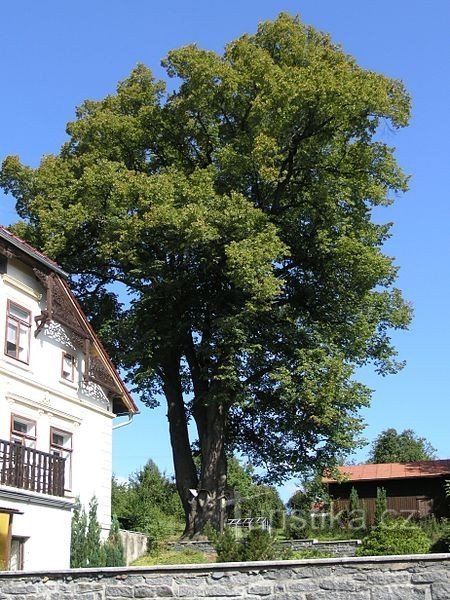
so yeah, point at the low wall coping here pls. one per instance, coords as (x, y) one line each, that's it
(230, 566)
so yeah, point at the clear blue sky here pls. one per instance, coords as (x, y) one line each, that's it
(56, 54)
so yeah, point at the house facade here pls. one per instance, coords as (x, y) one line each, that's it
(412, 489)
(59, 395)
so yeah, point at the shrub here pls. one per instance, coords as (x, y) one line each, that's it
(86, 547)
(156, 525)
(395, 536)
(227, 547)
(259, 545)
(298, 526)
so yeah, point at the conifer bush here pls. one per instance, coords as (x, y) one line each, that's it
(86, 547)
(259, 544)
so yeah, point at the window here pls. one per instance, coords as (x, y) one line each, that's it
(61, 445)
(18, 327)
(17, 552)
(23, 431)
(68, 366)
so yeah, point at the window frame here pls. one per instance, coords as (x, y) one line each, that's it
(27, 440)
(65, 452)
(21, 325)
(20, 540)
(64, 355)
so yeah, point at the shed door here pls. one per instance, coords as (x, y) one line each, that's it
(424, 507)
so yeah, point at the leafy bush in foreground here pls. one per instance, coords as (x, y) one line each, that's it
(396, 536)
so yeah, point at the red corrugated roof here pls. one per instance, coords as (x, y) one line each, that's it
(373, 472)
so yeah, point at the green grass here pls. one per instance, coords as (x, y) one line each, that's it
(174, 557)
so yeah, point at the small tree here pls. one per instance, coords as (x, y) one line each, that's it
(227, 547)
(354, 502)
(78, 541)
(95, 550)
(380, 506)
(259, 545)
(114, 550)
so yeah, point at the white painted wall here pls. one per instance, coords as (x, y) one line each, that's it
(37, 391)
(47, 529)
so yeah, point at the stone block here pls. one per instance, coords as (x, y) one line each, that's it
(260, 589)
(190, 591)
(221, 591)
(153, 591)
(440, 591)
(118, 591)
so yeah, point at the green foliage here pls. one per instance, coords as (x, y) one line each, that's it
(446, 537)
(94, 547)
(391, 446)
(298, 526)
(354, 502)
(86, 548)
(395, 536)
(121, 502)
(380, 506)
(236, 212)
(312, 491)
(173, 557)
(438, 530)
(305, 554)
(304, 525)
(211, 533)
(257, 545)
(113, 547)
(156, 524)
(251, 498)
(78, 540)
(228, 548)
(148, 502)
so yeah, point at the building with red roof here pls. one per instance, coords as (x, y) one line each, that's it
(412, 488)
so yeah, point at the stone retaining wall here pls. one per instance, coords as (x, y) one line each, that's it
(334, 547)
(424, 577)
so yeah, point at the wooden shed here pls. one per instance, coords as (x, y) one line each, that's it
(416, 488)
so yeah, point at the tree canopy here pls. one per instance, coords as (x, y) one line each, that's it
(235, 215)
(407, 446)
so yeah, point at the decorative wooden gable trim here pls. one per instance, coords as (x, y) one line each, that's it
(62, 308)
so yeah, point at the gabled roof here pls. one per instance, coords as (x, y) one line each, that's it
(66, 309)
(375, 472)
(20, 244)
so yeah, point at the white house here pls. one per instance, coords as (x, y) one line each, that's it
(59, 394)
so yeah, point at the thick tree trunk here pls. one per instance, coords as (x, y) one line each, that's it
(210, 502)
(185, 471)
(202, 498)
